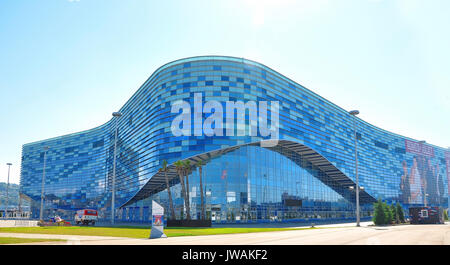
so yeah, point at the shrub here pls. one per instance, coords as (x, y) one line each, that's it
(394, 214)
(379, 215)
(388, 213)
(400, 214)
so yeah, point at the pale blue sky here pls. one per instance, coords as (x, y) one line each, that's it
(65, 66)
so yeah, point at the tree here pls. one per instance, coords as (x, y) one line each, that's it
(446, 215)
(200, 165)
(164, 169)
(379, 215)
(180, 170)
(187, 170)
(394, 214)
(400, 214)
(388, 213)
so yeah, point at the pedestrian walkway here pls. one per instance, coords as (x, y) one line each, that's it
(344, 235)
(291, 225)
(71, 239)
(337, 234)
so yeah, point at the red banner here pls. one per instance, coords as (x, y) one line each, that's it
(419, 148)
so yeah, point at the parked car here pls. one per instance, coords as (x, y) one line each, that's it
(86, 217)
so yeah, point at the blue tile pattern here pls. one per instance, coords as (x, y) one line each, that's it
(79, 165)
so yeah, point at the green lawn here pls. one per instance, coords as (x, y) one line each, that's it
(136, 232)
(16, 240)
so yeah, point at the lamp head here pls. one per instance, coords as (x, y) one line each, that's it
(354, 112)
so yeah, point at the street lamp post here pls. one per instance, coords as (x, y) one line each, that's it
(113, 197)
(426, 199)
(41, 212)
(7, 190)
(354, 113)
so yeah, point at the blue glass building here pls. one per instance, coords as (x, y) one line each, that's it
(306, 176)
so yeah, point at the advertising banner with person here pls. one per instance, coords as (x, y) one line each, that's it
(421, 182)
(447, 162)
(419, 148)
(157, 221)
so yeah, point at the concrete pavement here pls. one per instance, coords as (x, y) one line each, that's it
(344, 235)
(70, 239)
(395, 235)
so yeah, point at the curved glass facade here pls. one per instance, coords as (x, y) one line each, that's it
(254, 184)
(308, 176)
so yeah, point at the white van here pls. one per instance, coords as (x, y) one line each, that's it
(86, 217)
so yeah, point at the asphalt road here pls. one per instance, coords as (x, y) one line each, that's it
(346, 235)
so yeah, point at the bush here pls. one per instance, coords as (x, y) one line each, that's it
(387, 214)
(379, 215)
(401, 215)
(446, 215)
(394, 214)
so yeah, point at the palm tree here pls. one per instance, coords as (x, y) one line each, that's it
(165, 169)
(179, 165)
(200, 165)
(187, 170)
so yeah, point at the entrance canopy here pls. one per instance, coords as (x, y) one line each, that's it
(331, 176)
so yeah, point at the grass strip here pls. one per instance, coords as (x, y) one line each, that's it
(17, 240)
(139, 231)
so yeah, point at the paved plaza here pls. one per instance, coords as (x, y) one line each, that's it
(328, 235)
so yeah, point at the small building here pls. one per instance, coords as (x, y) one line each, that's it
(15, 212)
(426, 215)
